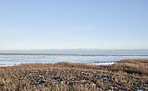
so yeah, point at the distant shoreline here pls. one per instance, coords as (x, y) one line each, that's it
(68, 54)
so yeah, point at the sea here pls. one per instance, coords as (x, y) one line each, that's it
(96, 57)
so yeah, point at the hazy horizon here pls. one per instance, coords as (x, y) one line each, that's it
(79, 51)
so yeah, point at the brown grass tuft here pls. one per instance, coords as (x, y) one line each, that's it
(125, 75)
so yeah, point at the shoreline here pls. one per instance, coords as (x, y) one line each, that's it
(105, 63)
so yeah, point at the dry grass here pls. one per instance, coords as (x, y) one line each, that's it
(138, 66)
(65, 76)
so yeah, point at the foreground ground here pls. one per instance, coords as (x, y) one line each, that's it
(123, 75)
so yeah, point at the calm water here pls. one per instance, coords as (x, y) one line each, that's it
(18, 59)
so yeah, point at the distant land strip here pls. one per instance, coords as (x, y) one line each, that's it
(68, 54)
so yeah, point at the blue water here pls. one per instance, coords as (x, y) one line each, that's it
(81, 51)
(98, 59)
(18, 59)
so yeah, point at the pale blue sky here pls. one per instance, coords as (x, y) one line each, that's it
(72, 24)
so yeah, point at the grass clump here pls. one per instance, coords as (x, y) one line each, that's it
(65, 76)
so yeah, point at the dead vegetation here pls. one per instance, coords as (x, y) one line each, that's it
(138, 66)
(124, 75)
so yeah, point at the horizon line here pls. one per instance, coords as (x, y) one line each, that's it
(72, 54)
(64, 49)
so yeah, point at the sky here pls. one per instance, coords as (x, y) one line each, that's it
(73, 24)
